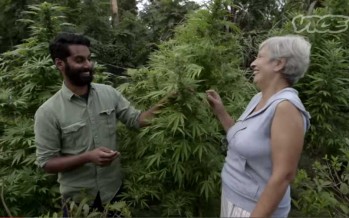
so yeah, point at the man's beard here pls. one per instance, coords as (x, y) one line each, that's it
(76, 76)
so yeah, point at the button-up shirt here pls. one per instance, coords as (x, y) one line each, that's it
(67, 124)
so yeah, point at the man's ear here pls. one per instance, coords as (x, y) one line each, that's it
(60, 64)
(280, 64)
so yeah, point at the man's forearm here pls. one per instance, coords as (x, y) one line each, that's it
(66, 163)
(147, 116)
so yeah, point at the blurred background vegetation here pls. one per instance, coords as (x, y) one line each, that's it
(147, 50)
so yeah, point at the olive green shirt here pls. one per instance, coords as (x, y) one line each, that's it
(67, 124)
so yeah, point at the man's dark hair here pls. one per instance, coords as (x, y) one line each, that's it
(59, 46)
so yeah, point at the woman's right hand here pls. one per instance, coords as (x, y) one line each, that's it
(218, 109)
(215, 102)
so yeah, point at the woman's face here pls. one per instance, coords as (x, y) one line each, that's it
(263, 67)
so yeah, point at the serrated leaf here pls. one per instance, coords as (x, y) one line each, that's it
(344, 189)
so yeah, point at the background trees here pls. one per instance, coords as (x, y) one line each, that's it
(172, 167)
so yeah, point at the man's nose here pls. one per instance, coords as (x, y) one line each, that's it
(88, 64)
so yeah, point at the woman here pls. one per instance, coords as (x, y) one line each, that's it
(266, 142)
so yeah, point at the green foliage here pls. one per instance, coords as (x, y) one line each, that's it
(251, 15)
(83, 210)
(27, 79)
(162, 16)
(93, 19)
(326, 91)
(326, 193)
(127, 6)
(175, 163)
(11, 31)
(128, 45)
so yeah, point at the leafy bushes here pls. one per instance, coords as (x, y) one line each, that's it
(326, 93)
(27, 79)
(325, 192)
(175, 163)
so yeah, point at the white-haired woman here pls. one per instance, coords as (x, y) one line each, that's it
(266, 142)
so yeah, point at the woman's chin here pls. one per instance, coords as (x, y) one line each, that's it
(256, 82)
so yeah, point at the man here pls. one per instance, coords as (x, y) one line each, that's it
(75, 129)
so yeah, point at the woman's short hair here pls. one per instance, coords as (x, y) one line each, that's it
(295, 49)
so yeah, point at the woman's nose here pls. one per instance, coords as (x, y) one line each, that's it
(253, 65)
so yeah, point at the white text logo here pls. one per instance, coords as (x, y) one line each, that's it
(320, 24)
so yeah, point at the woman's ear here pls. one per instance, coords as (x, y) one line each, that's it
(280, 64)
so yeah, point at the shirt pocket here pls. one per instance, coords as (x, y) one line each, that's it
(72, 136)
(244, 182)
(108, 121)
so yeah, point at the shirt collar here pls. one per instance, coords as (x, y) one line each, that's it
(67, 93)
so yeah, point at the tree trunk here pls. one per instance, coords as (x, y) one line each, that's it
(311, 7)
(114, 13)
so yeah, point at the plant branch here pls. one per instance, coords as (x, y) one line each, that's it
(3, 202)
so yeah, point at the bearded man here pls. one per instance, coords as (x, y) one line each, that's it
(75, 130)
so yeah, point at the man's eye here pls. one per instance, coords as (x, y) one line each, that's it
(79, 60)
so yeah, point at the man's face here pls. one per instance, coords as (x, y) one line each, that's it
(78, 66)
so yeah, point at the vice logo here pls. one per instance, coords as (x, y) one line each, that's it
(320, 24)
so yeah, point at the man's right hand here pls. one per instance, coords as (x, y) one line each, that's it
(102, 156)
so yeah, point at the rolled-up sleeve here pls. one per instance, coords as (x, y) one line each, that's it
(47, 137)
(125, 112)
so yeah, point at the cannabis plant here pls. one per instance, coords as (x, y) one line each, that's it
(173, 166)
